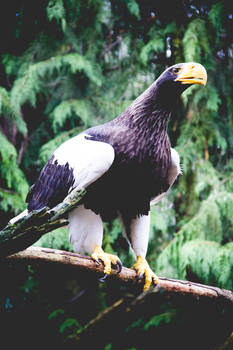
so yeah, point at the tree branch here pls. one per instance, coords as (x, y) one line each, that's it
(135, 304)
(27, 230)
(111, 46)
(127, 276)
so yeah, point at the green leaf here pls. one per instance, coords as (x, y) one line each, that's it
(211, 263)
(195, 41)
(56, 10)
(16, 185)
(133, 8)
(11, 201)
(26, 88)
(157, 320)
(209, 96)
(215, 17)
(70, 109)
(8, 109)
(155, 45)
(207, 225)
(55, 314)
(158, 219)
(68, 325)
(57, 239)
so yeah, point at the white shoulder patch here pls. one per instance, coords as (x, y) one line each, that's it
(89, 159)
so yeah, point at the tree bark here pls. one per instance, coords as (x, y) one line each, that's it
(27, 230)
(127, 276)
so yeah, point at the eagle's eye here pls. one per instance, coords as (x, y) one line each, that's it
(175, 70)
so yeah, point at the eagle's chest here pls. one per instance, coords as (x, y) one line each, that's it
(143, 174)
(129, 185)
(145, 159)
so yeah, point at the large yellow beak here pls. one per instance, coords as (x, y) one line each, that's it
(192, 73)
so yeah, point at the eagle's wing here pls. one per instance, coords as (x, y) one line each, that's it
(75, 164)
(173, 172)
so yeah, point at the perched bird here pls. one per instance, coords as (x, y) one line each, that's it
(125, 165)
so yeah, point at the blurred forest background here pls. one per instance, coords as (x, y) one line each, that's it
(66, 65)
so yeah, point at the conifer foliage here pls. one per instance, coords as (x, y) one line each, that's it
(70, 64)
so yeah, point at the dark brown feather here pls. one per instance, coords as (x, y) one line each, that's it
(142, 158)
(51, 187)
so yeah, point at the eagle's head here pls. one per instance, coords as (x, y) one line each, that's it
(175, 79)
(185, 74)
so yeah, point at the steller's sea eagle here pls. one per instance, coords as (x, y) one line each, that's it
(125, 165)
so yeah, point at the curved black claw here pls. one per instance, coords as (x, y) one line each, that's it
(156, 285)
(140, 275)
(103, 279)
(97, 261)
(119, 266)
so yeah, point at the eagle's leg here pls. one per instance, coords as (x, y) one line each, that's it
(86, 236)
(107, 259)
(137, 232)
(143, 269)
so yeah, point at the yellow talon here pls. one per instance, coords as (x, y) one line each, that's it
(107, 259)
(143, 269)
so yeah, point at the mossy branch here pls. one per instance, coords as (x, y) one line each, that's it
(27, 230)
